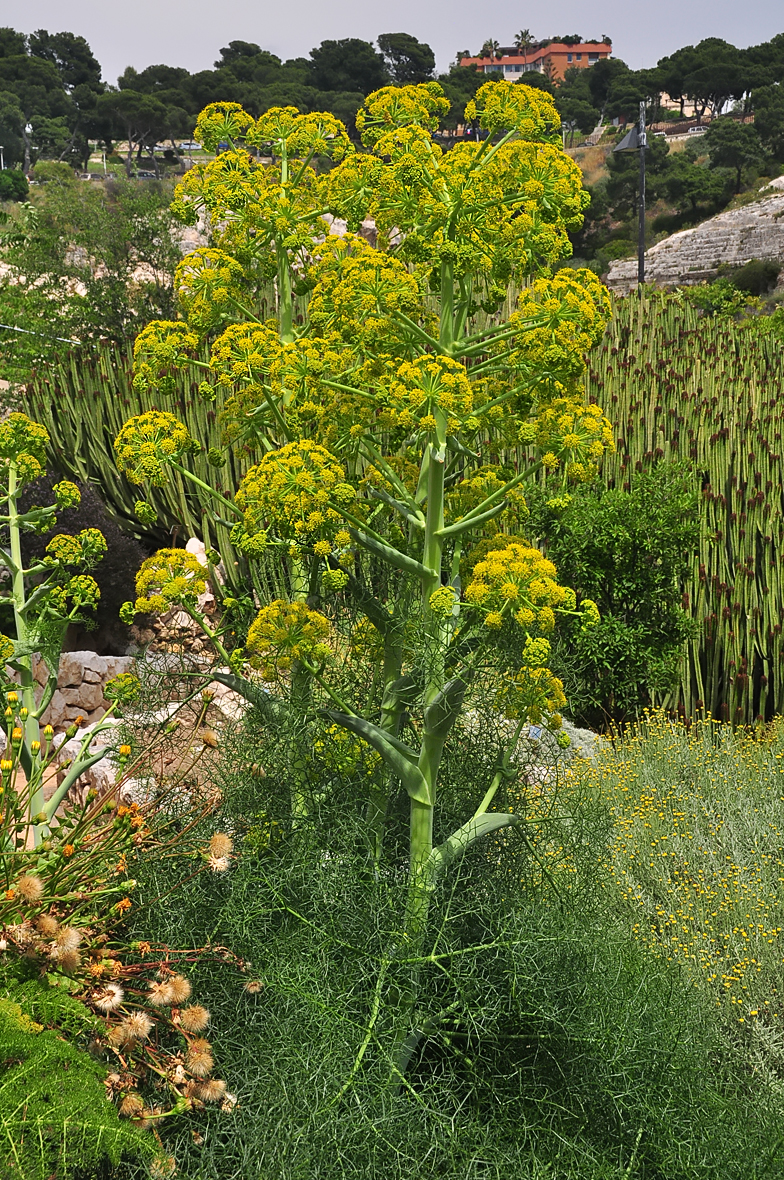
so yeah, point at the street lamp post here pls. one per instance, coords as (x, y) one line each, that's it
(636, 140)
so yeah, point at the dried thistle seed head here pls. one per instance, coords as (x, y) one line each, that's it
(212, 1091)
(195, 1018)
(108, 998)
(221, 844)
(199, 1059)
(47, 925)
(116, 1036)
(136, 1027)
(68, 938)
(160, 994)
(218, 864)
(68, 961)
(131, 1106)
(180, 989)
(30, 888)
(253, 987)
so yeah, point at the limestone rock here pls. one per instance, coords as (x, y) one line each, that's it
(694, 255)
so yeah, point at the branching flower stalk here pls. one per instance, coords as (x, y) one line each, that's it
(378, 421)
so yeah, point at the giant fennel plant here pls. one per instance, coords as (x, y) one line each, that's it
(397, 405)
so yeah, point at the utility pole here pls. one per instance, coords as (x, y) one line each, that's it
(636, 140)
(643, 140)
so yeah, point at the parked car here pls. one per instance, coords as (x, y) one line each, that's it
(697, 130)
(189, 146)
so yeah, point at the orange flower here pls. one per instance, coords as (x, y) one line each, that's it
(10, 894)
(123, 906)
(69, 850)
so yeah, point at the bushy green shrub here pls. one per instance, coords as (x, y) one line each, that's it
(629, 551)
(13, 185)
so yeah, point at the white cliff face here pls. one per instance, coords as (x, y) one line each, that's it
(694, 255)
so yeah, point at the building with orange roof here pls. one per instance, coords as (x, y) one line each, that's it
(552, 58)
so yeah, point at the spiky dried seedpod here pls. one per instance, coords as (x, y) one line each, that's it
(131, 1106)
(68, 938)
(116, 1036)
(30, 888)
(160, 994)
(195, 1018)
(253, 987)
(136, 1027)
(68, 961)
(180, 988)
(218, 864)
(221, 844)
(47, 925)
(199, 1059)
(212, 1091)
(108, 998)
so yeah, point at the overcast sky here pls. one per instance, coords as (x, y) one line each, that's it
(190, 33)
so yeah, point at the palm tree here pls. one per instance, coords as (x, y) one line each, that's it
(489, 49)
(523, 41)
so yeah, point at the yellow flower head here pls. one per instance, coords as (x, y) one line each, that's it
(147, 443)
(422, 105)
(283, 632)
(508, 106)
(169, 576)
(222, 122)
(295, 493)
(162, 347)
(209, 284)
(24, 443)
(518, 583)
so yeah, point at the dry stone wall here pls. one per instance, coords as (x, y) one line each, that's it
(695, 255)
(81, 680)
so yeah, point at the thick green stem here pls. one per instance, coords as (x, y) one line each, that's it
(25, 663)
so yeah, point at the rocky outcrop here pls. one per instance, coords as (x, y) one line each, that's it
(695, 255)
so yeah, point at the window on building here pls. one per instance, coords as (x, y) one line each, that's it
(592, 57)
(513, 69)
(568, 57)
(579, 57)
(493, 69)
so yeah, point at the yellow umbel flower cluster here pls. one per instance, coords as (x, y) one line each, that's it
(23, 442)
(556, 322)
(518, 582)
(76, 593)
(147, 443)
(209, 285)
(222, 122)
(524, 109)
(431, 393)
(533, 692)
(358, 291)
(160, 348)
(169, 576)
(284, 632)
(401, 106)
(284, 130)
(296, 493)
(571, 433)
(85, 549)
